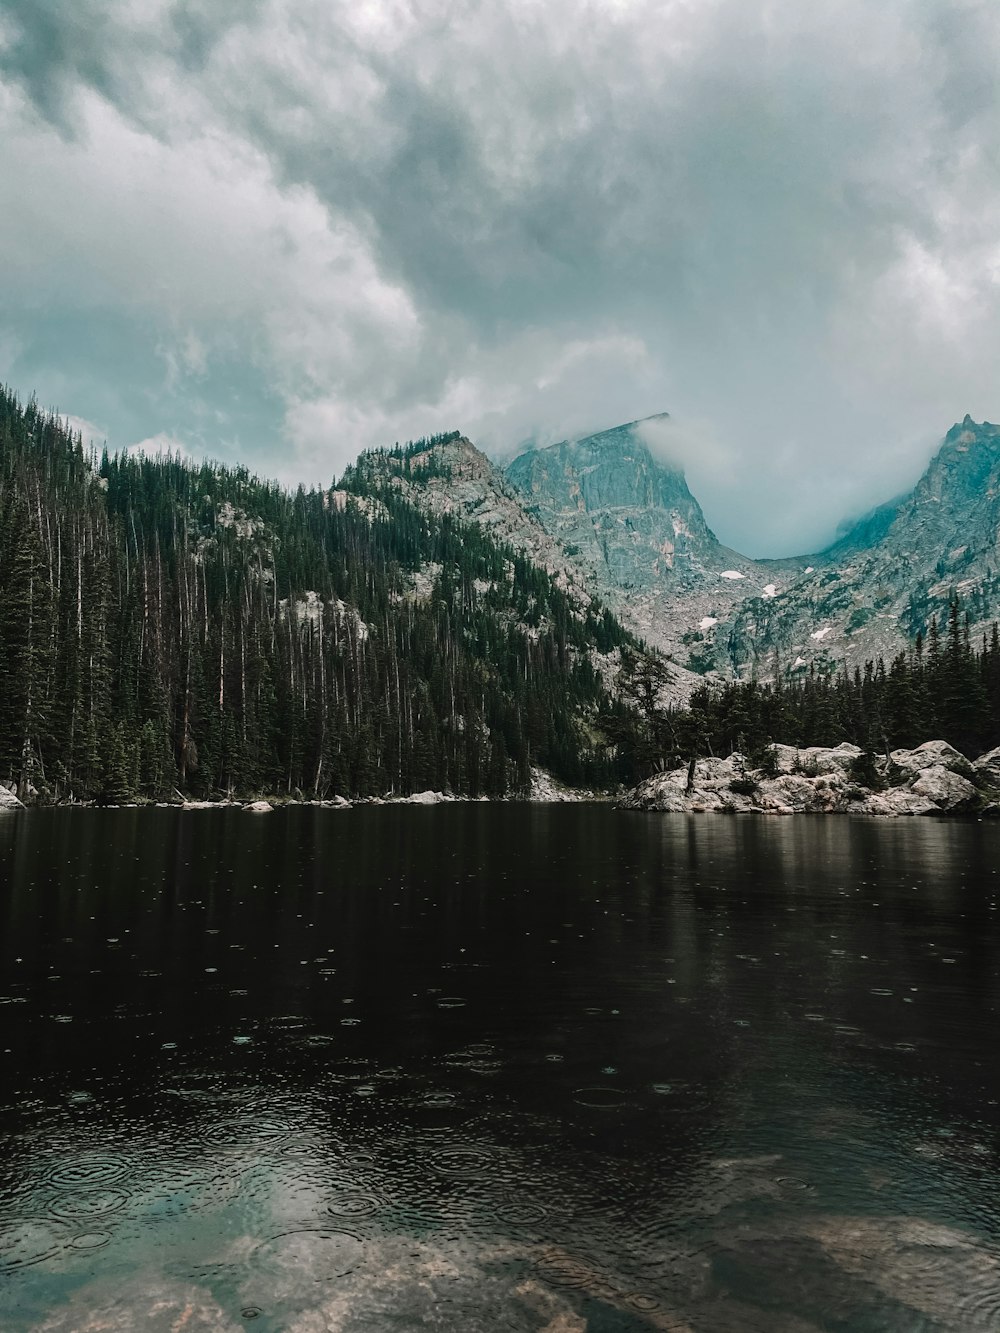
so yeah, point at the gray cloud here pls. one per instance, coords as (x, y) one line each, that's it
(294, 229)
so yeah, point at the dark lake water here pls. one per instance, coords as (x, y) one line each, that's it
(498, 1067)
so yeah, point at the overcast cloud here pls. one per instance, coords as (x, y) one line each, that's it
(284, 230)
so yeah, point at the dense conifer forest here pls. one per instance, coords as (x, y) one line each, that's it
(168, 627)
(946, 687)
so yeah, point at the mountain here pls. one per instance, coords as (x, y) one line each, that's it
(616, 525)
(450, 477)
(628, 520)
(433, 620)
(884, 581)
(170, 626)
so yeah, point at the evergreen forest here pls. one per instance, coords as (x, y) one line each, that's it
(169, 628)
(945, 687)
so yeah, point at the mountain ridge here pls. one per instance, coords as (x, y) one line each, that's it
(612, 520)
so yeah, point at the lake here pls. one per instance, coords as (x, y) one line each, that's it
(481, 1067)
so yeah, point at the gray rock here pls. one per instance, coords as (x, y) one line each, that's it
(932, 754)
(259, 808)
(825, 787)
(8, 801)
(948, 790)
(817, 759)
(787, 757)
(896, 801)
(988, 766)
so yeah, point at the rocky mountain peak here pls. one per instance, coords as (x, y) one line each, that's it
(621, 508)
(611, 516)
(613, 468)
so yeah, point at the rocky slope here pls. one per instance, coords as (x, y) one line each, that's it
(629, 521)
(613, 520)
(870, 593)
(452, 476)
(933, 779)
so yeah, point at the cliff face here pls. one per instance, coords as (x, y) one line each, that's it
(613, 520)
(628, 519)
(870, 593)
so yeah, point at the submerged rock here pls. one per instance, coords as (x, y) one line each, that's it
(156, 1305)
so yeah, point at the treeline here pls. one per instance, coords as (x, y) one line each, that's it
(946, 687)
(165, 626)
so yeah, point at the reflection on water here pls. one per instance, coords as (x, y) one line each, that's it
(479, 1068)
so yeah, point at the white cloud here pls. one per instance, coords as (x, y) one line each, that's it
(93, 437)
(333, 225)
(161, 446)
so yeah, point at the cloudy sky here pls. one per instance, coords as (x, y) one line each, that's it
(283, 230)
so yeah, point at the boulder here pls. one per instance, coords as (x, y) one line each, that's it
(896, 801)
(946, 789)
(819, 759)
(709, 771)
(797, 794)
(988, 766)
(259, 808)
(787, 758)
(426, 798)
(932, 754)
(8, 801)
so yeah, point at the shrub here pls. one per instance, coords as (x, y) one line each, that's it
(767, 762)
(863, 770)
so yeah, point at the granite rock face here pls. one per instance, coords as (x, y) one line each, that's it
(629, 521)
(871, 592)
(822, 781)
(610, 518)
(8, 801)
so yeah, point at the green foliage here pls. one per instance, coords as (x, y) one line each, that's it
(766, 762)
(864, 771)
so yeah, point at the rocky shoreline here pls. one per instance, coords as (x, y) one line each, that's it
(933, 779)
(544, 789)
